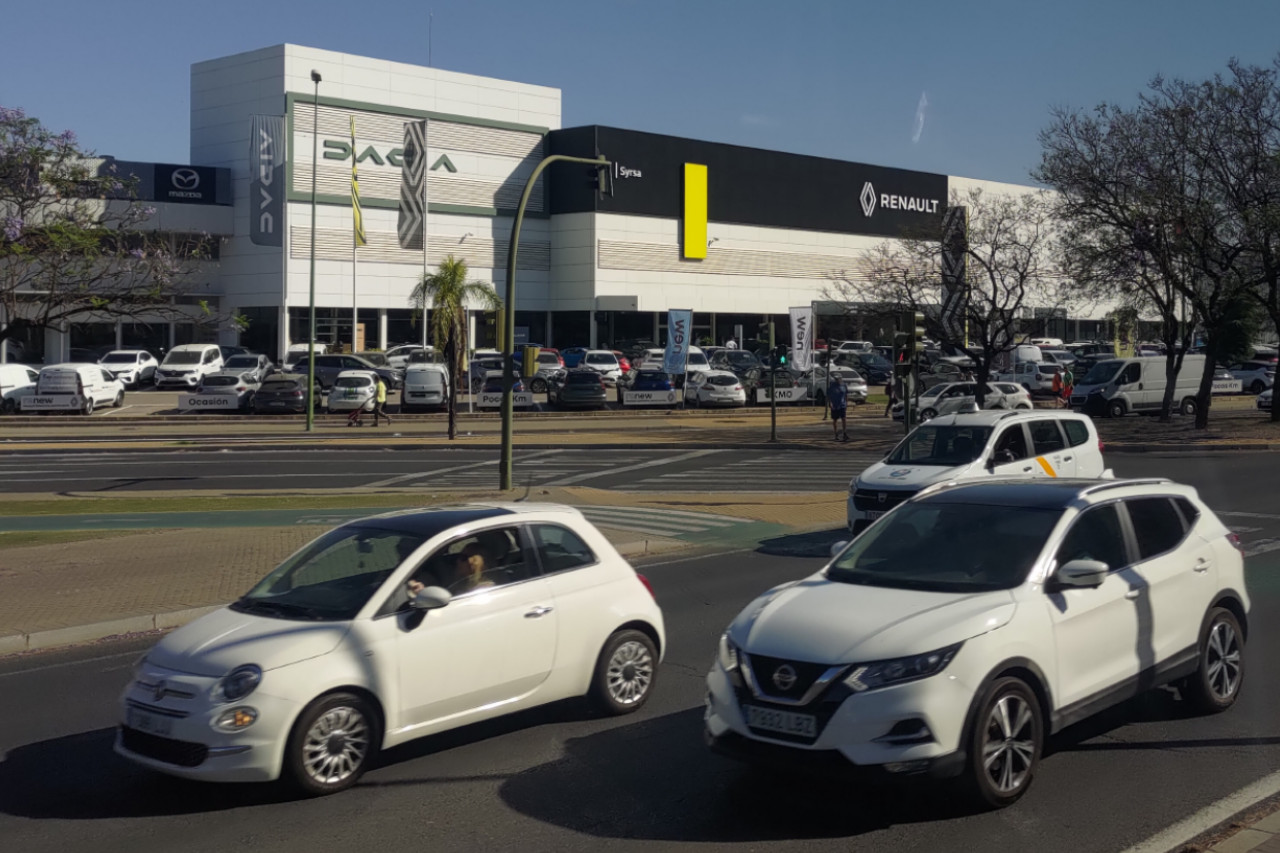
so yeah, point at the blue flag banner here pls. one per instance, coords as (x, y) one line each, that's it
(679, 334)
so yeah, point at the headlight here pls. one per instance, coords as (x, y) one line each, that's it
(853, 487)
(238, 683)
(728, 653)
(899, 670)
(137, 666)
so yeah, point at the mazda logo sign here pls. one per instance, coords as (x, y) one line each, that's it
(185, 179)
(784, 677)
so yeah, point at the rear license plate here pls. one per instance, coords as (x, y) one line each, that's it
(873, 514)
(277, 402)
(782, 722)
(150, 723)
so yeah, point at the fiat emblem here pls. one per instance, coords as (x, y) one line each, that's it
(784, 677)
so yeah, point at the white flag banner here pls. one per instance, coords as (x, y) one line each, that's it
(802, 337)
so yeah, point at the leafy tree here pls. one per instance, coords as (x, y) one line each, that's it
(74, 242)
(449, 293)
(1009, 265)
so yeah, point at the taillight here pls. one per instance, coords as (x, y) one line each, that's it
(737, 387)
(296, 394)
(1101, 446)
(1235, 542)
(644, 580)
(241, 388)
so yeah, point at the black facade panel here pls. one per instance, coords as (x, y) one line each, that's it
(748, 186)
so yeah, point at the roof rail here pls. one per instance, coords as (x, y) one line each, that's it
(1118, 484)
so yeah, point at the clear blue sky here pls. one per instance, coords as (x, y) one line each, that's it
(839, 78)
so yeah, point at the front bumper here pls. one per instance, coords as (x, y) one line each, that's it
(854, 728)
(187, 380)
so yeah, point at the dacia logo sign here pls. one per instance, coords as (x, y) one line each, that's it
(338, 149)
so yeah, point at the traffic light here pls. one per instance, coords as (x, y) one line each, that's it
(912, 325)
(780, 355)
(530, 362)
(601, 180)
(901, 355)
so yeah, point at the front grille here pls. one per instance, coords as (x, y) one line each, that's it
(180, 753)
(805, 674)
(156, 709)
(868, 500)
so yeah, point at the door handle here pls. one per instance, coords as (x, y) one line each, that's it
(1132, 594)
(1202, 565)
(538, 612)
(1028, 468)
(1067, 458)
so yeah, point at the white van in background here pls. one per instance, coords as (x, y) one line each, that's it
(74, 388)
(185, 365)
(425, 385)
(1118, 386)
(16, 381)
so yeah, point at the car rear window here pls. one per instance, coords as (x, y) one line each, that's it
(220, 381)
(722, 380)
(1077, 432)
(601, 358)
(548, 358)
(592, 378)
(353, 382)
(278, 386)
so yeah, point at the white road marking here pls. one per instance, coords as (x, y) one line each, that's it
(655, 513)
(404, 478)
(1261, 546)
(1209, 816)
(591, 475)
(65, 664)
(1249, 515)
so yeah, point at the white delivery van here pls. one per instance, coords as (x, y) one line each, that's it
(185, 365)
(300, 353)
(1119, 386)
(16, 381)
(74, 388)
(973, 446)
(425, 385)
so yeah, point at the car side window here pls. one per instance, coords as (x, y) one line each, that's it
(477, 561)
(1131, 374)
(560, 548)
(1157, 525)
(1190, 512)
(1077, 432)
(1046, 437)
(106, 377)
(1095, 535)
(1014, 442)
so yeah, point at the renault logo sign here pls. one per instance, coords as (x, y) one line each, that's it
(868, 198)
(185, 179)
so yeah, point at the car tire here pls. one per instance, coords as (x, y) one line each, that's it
(625, 673)
(342, 721)
(1189, 407)
(8, 407)
(87, 408)
(1116, 409)
(1024, 407)
(538, 386)
(118, 401)
(1220, 664)
(1257, 387)
(928, 414)
(1004, 743)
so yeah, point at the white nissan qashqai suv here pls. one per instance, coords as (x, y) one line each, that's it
(973, 620)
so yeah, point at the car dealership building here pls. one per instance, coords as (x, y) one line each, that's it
(737, 235)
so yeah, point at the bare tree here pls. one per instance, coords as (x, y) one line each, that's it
(1010, 267)
(74, 244)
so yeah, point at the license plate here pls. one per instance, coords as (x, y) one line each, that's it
(873, 514)
(150, 723)
(351, 395)
(277, 402)
(782, 722)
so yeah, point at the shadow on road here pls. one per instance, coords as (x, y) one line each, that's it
(655, 780)
(815, 544)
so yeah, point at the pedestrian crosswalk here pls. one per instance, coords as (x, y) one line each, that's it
(662, 522)
(787, 471)
(538, 468)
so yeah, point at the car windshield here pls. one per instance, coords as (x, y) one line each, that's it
(332, 578)
(121, 358)
(548, 358)
(947, 446)
(184, 357)
(934, 391)
(947, 547)
(698, 359)
(242, 361)
(601, 358)
(872, 360)
(741, 358)
(1102, 373)
(220, 381)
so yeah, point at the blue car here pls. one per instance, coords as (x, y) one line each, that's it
(652, 380)
(573, 356)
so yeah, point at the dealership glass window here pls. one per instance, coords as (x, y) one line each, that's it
(263, 332)
(570, 329)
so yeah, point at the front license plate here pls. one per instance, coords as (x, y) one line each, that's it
(150, 723)
(783, 722)
(873, 514)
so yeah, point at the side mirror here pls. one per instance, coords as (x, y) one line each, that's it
(1082, 574)
(839, 546)
(430, 598)
(1003, 457)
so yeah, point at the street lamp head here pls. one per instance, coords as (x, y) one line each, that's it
(315, 76)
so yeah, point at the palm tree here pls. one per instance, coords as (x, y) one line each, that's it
(448, 292)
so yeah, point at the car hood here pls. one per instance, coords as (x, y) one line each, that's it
(889, 476)
(830, 622)
(218, 642)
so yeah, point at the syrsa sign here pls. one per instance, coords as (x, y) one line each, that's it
(648, 398)
(493, 399)
(337, 149)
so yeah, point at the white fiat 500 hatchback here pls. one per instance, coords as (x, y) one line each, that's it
(959, 631)
(391, 628)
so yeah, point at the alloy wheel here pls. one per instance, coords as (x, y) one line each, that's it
(1009, 744)
(336, 745)
(1222, 661)
(629, 673)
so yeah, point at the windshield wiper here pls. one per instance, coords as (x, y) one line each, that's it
(280, 608)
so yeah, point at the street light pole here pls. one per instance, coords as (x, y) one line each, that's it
(509, 313)
(311, 329)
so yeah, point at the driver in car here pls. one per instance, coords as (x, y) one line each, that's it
(468, 572)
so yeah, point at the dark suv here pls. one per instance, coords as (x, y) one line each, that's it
(579, 387)
(329, 366)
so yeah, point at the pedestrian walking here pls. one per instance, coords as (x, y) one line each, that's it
(1057, 388)
(1068, 383)
(838, 401)
(891, 391)
(731, 344)
(380, 402)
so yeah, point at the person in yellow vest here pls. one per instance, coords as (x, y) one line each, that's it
(380, 402)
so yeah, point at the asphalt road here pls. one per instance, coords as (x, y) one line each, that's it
(555, 779)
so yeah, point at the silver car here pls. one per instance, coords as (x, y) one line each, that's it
(242, 385)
